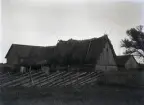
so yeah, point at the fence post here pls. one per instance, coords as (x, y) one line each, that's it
(8, 75)
(71, 80)
(48, 72)
(17, 94)
(31, 80)
(77, 77)
(40, 83)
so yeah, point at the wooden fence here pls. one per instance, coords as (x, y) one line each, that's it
(55, 79)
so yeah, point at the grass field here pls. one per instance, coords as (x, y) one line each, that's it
(86, 95)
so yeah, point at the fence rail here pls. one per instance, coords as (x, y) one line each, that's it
(41, 79)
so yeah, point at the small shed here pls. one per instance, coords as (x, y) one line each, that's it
(127, 62)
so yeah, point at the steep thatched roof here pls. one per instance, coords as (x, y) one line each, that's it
(31, 54)
(49, 53)
(65, 52)
(81, 51)
(21, 50)
(40, 56)
(42, 53)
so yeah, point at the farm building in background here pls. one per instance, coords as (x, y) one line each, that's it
(97, 52)
(127, 62)
(20, 53)
(89, 56)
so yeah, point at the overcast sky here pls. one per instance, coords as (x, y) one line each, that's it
(43, 22)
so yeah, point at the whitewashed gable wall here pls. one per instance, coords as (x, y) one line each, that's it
(106, 60)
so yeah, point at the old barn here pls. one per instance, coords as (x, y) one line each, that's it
(97, 52)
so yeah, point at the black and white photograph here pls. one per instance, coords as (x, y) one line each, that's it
(72, 52)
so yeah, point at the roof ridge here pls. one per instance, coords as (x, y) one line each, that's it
(28, 45)
(84, 39)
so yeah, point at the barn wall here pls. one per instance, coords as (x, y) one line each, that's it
(106, 61)
(131, 63)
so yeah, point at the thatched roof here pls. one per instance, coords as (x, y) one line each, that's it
(31, 54)
(70, 52)
(81, 51)
(23, 50)
(49, 53)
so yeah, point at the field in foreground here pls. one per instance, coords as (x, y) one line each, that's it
(86, 95)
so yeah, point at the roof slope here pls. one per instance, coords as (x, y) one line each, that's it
(22, 50)
(121, 60)
(65, 52)
(81, 51)
(33, 54)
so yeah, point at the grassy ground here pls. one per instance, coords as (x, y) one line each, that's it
(87, 95)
